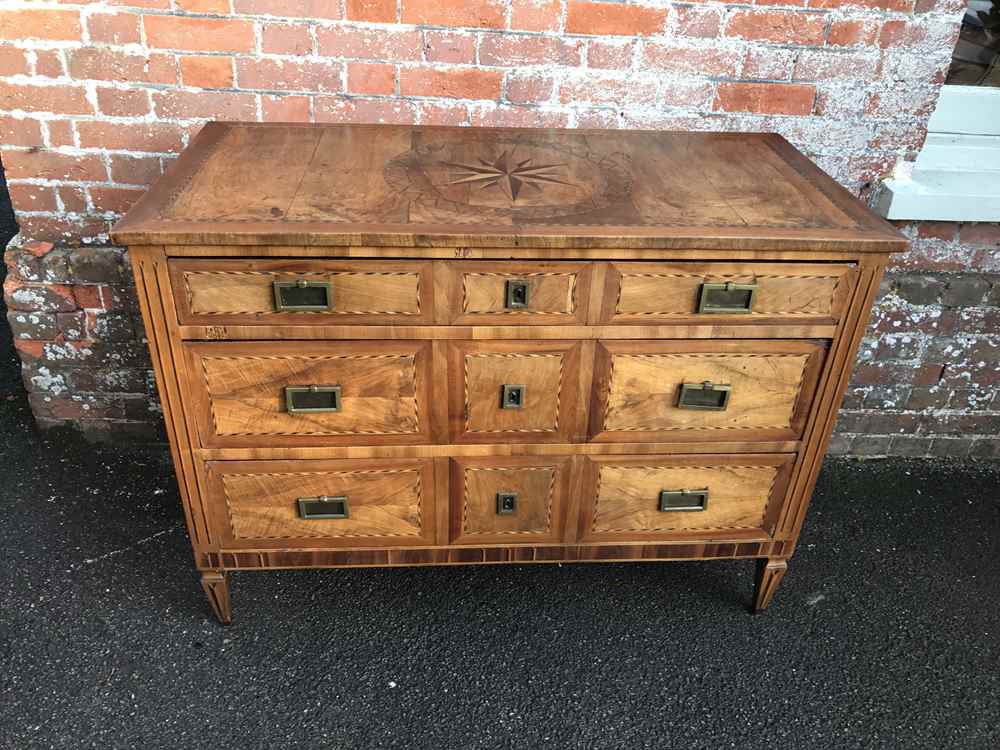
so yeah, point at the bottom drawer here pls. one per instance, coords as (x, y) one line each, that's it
(635, 498)
(337, 503)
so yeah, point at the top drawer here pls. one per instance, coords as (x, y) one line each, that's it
(244, 292)
(725, 292)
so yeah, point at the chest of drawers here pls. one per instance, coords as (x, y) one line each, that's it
(388, 345)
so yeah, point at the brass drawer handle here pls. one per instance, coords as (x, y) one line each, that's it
(727, 298)
(324, 506)
(303, 296)
(706, 396)
(683, 500)
(506, 503)
(512, 396)
(308, 399)
(516, 294)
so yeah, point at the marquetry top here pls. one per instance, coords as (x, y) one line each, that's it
(410, 186)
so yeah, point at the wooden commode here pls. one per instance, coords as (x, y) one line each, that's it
(392, 345)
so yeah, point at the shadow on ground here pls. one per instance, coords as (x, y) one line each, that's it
(883, 635)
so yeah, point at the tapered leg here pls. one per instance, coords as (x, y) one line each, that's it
(769, 574)
(216, 585)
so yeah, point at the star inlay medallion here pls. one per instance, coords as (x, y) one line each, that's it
(506, 173)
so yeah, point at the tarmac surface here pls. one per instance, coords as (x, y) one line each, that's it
(884, 634)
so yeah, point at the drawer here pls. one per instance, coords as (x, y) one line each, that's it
(342, 503)
(343, 393)
(514, 293)
(508, 500)
(696, 292)
(515, 391)
(659, 390)
(267, 292)
(633, 498)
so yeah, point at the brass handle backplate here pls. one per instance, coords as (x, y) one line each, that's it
(303, 296)
(706, 396)
(506, 503)
(324, 506)
(308, 399)
(683, 500)
(516, 294)
(726, 298)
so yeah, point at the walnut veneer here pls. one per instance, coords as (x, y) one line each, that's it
(389, 345)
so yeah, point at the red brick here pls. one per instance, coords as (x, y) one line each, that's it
(686, 95)
(768, 63)
(370, 43)
(529, 89)
(512, 50)
(218, 7)
(38, 249)
(981, 235)
(73, 199)
(32, 198)
(777, 26)
(483, 14)
(443, 114)
(60, 133)
(207, 72)
(454, 83)
(114, 28)
(608, 55)
(766, 98)
(535, 15)
(48, 63)
(373, 11)
(601, 119)
(517, 117)
(326, 9)
(20, 132)
(288, 75)
(338, 109)
(199, 34)
(116, 200)
(710, 61)
(56, 25)
(613, 18)
(128, 170)
(449, 47)
(286, 39)
(154, 137)
(901, 34)
(214, 105)
(371, 78)
(123, 102)
(851, 33)
(597, 89)
(63, 228)
(939, 230)
(702, 23)
(285, 108)
(49, 165)
(12, 62)
(68, 100)
(111, 65)
(149, 4)
(92, 296)
(21, 296)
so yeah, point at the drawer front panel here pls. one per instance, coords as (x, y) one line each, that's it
(730, 497)
(241, 393)
(515, 293)
(515, 391)
(242, 292)
(508, 500)
(344, 503)
(764, 389)
(673, 292)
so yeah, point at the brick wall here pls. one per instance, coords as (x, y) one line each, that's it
(97, 97)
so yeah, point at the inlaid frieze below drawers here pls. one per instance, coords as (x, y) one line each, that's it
(396, 345)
